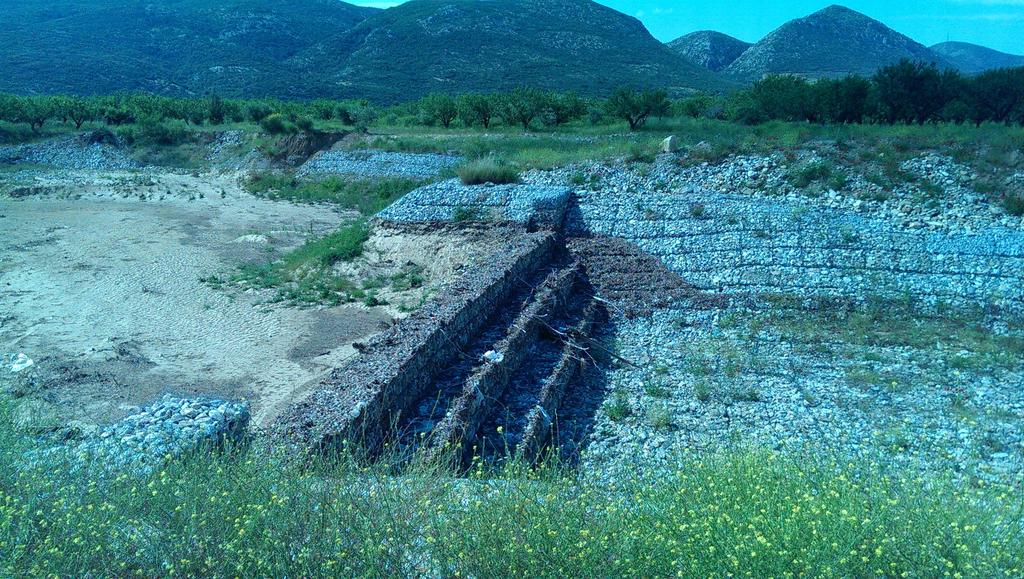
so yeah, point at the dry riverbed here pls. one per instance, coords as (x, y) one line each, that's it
(100, 285)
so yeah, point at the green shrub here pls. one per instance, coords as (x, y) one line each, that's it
(168, 133)
(702, 390)
(818, 171)
(463, 214)
(655, 387)
(103, 135)
(277, 124)
(258, 111)
(640, 153)
(660, 416)
(487, 170)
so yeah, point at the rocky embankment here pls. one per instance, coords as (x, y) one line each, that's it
(377, 164)
(168, 428)
(78, 152)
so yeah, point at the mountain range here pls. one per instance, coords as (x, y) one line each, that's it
(971, 58)
(469, 45)
(328, 48)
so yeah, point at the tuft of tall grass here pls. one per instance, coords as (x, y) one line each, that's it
(1014, 204)
(487, 170)
(813, 173)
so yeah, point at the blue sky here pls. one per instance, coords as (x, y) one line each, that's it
(997, 24)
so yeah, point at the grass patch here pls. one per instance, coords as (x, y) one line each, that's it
(866, 378)
(306, 275)
(254, 513)
(487, 170)
(641, 153)
(895, 324)
(818, 172)
(660, 416)
(466, 214)
(368, 196)
(618, 407)
(655, 388)
(704, 140)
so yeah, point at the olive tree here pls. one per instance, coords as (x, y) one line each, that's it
(477, 109)
(635, 107)
(439, 108)
(521, 106)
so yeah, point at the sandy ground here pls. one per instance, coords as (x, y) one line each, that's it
(103, 290)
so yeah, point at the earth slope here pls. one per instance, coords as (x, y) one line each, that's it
(176, 47)
(833, 42)
(710, 49)
(471, 45)
(971, 58)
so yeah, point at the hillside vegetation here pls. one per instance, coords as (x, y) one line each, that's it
(175, 47)
(314, 48)
(466, 45)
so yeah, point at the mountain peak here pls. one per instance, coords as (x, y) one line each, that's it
(708, 48)
(837, 10)
(832, 42)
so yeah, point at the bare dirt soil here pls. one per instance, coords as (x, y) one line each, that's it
(103, 290)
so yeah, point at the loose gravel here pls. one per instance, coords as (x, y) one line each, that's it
(377, 164)
(74, 153)
(720, 385)
(452, 201)
(167, 428)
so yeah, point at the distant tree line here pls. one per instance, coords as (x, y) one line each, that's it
(162, 119)
(526, 108)
(903, 93)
